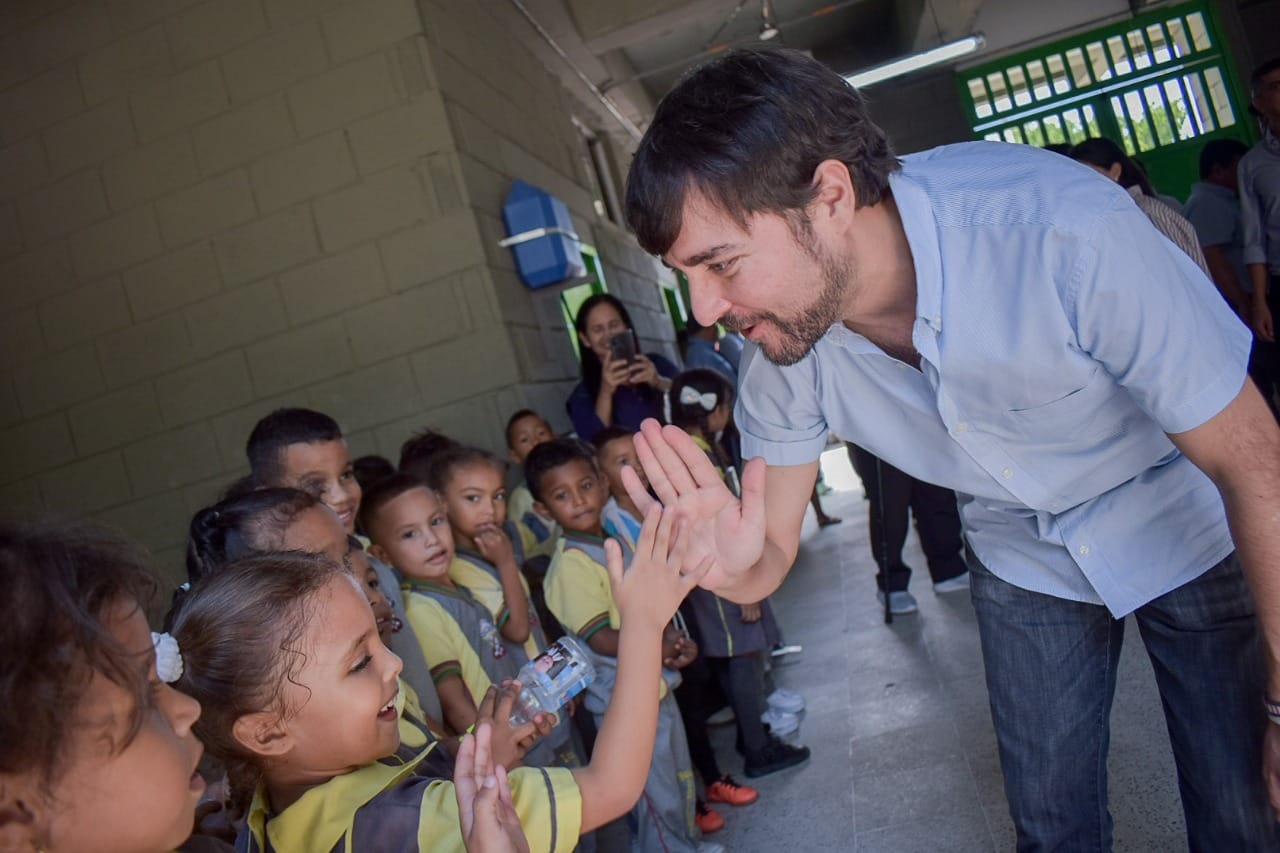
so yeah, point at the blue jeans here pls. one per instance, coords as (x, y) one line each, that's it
(1051, 675)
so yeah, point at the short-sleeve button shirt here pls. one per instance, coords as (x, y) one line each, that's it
(1061, 337)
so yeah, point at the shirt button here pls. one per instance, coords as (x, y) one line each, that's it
(937, 319)
(1054, 504)
(1084, 550)
(962, 426)
(1007, 473)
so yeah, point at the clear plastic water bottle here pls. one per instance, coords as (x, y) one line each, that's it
(550, 680)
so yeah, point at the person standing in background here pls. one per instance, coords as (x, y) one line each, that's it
(1260, 211)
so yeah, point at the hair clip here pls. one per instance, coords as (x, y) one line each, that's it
(689, 396)
(168, 657)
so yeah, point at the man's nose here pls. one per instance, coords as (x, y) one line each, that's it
(708, 303)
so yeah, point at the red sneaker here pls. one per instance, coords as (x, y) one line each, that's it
(707, 820)
(727, 790)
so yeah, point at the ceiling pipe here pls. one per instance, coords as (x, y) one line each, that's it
(608, 103)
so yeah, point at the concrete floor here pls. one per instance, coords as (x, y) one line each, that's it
(904, 756)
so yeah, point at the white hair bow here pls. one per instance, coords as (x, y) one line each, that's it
(689, 396)
(168, 657)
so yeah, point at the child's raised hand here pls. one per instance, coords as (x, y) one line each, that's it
(495, 546)
(510, 743)
(653, 587)
(488, 818)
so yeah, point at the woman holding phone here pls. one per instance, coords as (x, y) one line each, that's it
(620, 386)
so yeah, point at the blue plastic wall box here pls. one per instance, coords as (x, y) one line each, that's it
(551, 257)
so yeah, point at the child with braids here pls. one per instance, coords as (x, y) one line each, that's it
(300, 699)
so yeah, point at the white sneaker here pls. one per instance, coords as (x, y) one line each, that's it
(710, 847)
(899, 602)
(955, 584)
(786, 700)
(780, 722)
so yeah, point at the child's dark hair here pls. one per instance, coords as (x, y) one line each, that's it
(417, 452)
(241, 526)
(278, 430)
(370, 469)
(610, 433)
(551, 455)
(60, 581)
(517, 418)
(233, 528)
(446, 462)
(240, 635)
(382, 493)
(690, 414)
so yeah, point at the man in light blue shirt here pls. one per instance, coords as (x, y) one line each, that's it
(1002, 322)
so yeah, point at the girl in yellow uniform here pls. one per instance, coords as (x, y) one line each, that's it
(300, 704)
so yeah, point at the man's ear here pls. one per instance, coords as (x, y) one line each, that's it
(833, 190)
(263, 733)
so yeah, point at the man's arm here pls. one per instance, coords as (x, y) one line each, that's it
(786, 499)
(1239, 448)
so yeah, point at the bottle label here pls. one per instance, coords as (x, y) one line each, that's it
(560, 673)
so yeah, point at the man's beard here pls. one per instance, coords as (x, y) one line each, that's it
(799, 334)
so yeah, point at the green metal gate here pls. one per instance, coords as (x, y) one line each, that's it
(1159, 84)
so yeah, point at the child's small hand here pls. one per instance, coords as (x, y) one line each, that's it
(653, 587)
(686, 652)
(751, 612)
(495, 546)
(488, 817)
(510, 743)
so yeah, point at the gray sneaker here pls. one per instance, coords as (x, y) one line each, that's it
(899, 602)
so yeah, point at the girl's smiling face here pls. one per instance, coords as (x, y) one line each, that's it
(340, 703)
(121, 794)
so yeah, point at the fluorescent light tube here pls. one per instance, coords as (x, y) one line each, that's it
(916, 61)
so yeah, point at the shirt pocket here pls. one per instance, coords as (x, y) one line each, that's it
(1080, 412)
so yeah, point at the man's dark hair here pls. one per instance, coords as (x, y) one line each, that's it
(747, 131)
(1220, 152)
(1255, 79)
(550, 455)
(278, 430)
(382, 493)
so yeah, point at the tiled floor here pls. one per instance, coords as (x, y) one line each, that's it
(904, 756)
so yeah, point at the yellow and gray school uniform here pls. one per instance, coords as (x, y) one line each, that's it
(579, 595)
(446, 646)
(470, 569)
(403, 642)
(403, 805)
(540, 534)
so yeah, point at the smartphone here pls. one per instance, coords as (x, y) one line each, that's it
(622, 346)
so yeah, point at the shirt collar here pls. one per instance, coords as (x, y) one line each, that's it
(322, 815)
(922, 238)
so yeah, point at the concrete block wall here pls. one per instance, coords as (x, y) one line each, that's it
(211, 208)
